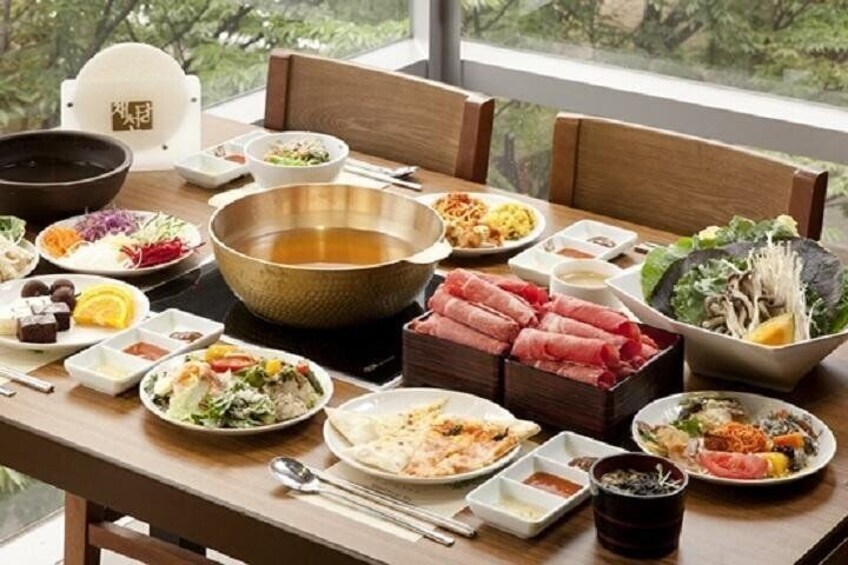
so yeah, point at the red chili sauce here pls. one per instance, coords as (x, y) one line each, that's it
(146, 351)
(552, 484)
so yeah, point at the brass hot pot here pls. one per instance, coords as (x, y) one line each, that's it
(320, 297)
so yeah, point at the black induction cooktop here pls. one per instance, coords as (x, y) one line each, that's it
(370, 352)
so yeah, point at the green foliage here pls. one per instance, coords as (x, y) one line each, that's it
(11, 480)
(791, 47)
(226, 43)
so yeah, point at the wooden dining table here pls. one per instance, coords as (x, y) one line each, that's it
(112, 456)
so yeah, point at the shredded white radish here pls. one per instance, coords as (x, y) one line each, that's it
(98, 255)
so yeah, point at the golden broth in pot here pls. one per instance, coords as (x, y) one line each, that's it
(325, 248)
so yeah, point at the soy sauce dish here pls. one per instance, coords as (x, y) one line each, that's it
(638, 503)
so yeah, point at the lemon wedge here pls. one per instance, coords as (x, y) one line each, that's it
(780, 330)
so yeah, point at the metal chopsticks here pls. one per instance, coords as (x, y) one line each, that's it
(382, 177)
(7, 392)
(32, 382)
(422, 514)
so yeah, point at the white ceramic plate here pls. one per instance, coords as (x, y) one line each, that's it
(722, 356)
(78, 336)
(27, 246)
(536, 263)
(190, 234)
(322, 376)
(394, 401)
(492, 200)
(666, 409)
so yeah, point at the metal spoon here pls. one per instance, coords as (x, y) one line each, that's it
(386, 501)
(297, 476)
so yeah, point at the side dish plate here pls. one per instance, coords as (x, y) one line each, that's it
(189, 234)
(174, 362)
(492, 200)
(394, 401)
(664, 410)
(78, 336)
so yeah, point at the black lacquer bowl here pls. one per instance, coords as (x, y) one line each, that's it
(49, 175)
(637, 526)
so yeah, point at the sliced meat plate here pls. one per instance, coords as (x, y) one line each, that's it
(484, 320)
(439, 326)
(595, 376)
(474, 288)
(538, 345)
(598, 316)
(552, 322)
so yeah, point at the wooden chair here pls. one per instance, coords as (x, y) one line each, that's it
(675, 182)
(385, 114)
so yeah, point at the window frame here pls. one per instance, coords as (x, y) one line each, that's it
(436, 50)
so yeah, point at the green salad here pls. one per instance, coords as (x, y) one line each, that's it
(303, 152)
(751, 280)
(227, 387)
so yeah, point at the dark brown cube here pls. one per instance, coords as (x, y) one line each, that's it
(62, 313)
(39, 328)
(562, 403)
(434, 362)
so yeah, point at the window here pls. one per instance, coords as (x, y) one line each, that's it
(520, 161)
(225, 42)
(789, 47)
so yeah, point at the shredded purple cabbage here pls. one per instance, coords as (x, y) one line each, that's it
(107, 222)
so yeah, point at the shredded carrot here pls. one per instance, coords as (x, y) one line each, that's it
(58, 240)
(740, 438)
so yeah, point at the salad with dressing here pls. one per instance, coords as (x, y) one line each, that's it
(228, 387)
(303, 152)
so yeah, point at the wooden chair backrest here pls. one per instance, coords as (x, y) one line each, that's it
(676, 182)
(386, 114)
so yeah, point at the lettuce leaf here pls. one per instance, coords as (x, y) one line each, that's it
(12, 228)
(738, 230)
(659, 260)
(840, 314)
(693, 288)
(742, 229)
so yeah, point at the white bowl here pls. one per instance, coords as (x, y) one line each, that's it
(709, 353)
(268, 175)
(599, 295)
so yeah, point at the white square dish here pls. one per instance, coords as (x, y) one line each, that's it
(551, 457)
(567, 446)
(173, 320)
(93, 366)
(87, 366)
(709, 353)
(537, 263)
(208, 171)
(486, 502)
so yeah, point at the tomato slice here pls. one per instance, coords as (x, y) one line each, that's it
(233, 363)
(728, 465)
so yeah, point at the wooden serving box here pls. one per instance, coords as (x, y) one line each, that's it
(433, 362)
(565, 404)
